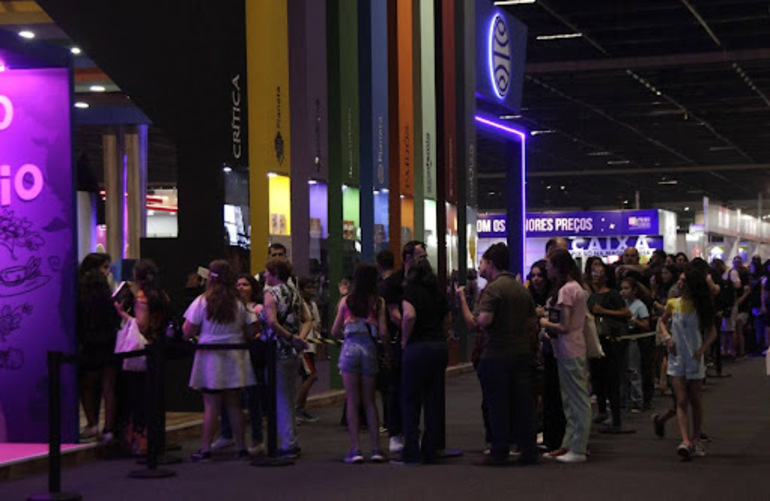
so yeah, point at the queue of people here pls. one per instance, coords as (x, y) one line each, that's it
(655, 324)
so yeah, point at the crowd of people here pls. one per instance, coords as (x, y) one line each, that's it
(656, 326)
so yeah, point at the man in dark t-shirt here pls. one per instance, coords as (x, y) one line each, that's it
(505, 318)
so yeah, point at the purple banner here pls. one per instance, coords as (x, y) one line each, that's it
(580, 224)
(37, 263)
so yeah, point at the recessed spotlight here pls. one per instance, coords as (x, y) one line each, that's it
(97, 88)
(27, 34)
(227, 169)
(81, 105)
(76, 51)
(562, 187)
(312, 182)
(625, 202)
(272, 174)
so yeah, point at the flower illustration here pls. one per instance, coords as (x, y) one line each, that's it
(10, 320)
(16, 232)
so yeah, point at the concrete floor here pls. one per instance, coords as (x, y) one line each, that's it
(638, 466)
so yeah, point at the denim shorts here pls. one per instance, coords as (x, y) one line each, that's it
(359, 355)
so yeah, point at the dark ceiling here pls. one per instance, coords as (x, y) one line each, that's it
(654, 91)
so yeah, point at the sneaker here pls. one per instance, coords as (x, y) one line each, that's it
(555, 453)
(396, 444)
(698, 451)
(354, 457)
(89, 432)
(658, 426)
(222, 443)
(305, 417)
(290, 453)
(684, 451)
(201, 457)
(377, 456)
(242, 454)
(600, 418)
(257, 450)
(383, 430)
(571, 457)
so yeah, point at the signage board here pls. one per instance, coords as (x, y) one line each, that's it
(37, 260)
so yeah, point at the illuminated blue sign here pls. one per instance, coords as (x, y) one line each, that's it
(500, 56)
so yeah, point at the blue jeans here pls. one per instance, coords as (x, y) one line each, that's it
(285, 396)
(422, 388)
(577, 403)
(507, 391)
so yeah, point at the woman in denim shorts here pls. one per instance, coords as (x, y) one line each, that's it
(361, 318)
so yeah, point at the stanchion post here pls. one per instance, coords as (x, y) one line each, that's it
(55, 360)
(272, 458)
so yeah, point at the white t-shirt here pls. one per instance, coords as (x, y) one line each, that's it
(214, 332)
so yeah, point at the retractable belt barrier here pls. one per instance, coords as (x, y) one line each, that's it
(636, 336)
(155, 354)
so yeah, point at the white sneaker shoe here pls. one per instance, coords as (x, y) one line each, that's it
(222, 443)
(396, 444)
(257, 450)
(571, 457)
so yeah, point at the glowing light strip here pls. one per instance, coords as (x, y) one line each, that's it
(523, 138)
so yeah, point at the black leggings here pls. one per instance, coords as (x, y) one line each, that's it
(607, 376)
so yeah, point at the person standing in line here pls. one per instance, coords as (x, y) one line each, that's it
(307, 371)
(392, 291)
(250, 294)
(97, 328)
(287, 320)
(554, 423)
(218, 316)
(742, 306)
(505, 318)
(639, 353)
(564, 322)
(389, 378)
(424, 333)
(692, 331)
(361, 319)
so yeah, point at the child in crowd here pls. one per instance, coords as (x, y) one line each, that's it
(307, 288)
(638, 323)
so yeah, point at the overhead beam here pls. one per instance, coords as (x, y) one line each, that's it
(684, 169)
(16, 12)
(630, 63)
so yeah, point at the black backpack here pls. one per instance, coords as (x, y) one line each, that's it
(725, 300)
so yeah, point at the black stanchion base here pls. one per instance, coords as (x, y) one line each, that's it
(450, 453)
(162, 460)
(267, 461)
(152, 473)
(58, 496)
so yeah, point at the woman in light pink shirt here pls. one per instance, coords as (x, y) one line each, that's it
(564, 322)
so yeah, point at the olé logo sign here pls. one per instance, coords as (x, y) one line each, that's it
(500, 56)
(27, 182)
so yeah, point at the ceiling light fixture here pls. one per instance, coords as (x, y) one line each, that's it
(227, 169)
(514, 2)
(559, 36)
(721, 148)
(311, 182)
(618, 162)
(509, 117)
(272, 174)
(668, 181)
(76, 51)
(27, 34)
(600, 154)
(687, 209)
(538, 132)
(97, 88)
(81, 105)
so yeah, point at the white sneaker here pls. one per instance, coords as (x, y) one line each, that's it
(222, 443)
(257, 450)
(396, 444)
(698, 450)
(572, 457)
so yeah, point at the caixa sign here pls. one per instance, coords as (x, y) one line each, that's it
(24, 182)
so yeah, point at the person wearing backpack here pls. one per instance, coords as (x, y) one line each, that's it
(725, 302)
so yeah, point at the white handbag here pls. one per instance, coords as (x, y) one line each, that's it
(131, 339)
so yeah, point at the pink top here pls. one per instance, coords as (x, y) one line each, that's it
(571, 344)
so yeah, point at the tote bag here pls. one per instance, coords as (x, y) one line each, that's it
(130, 339)
(591, 334)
